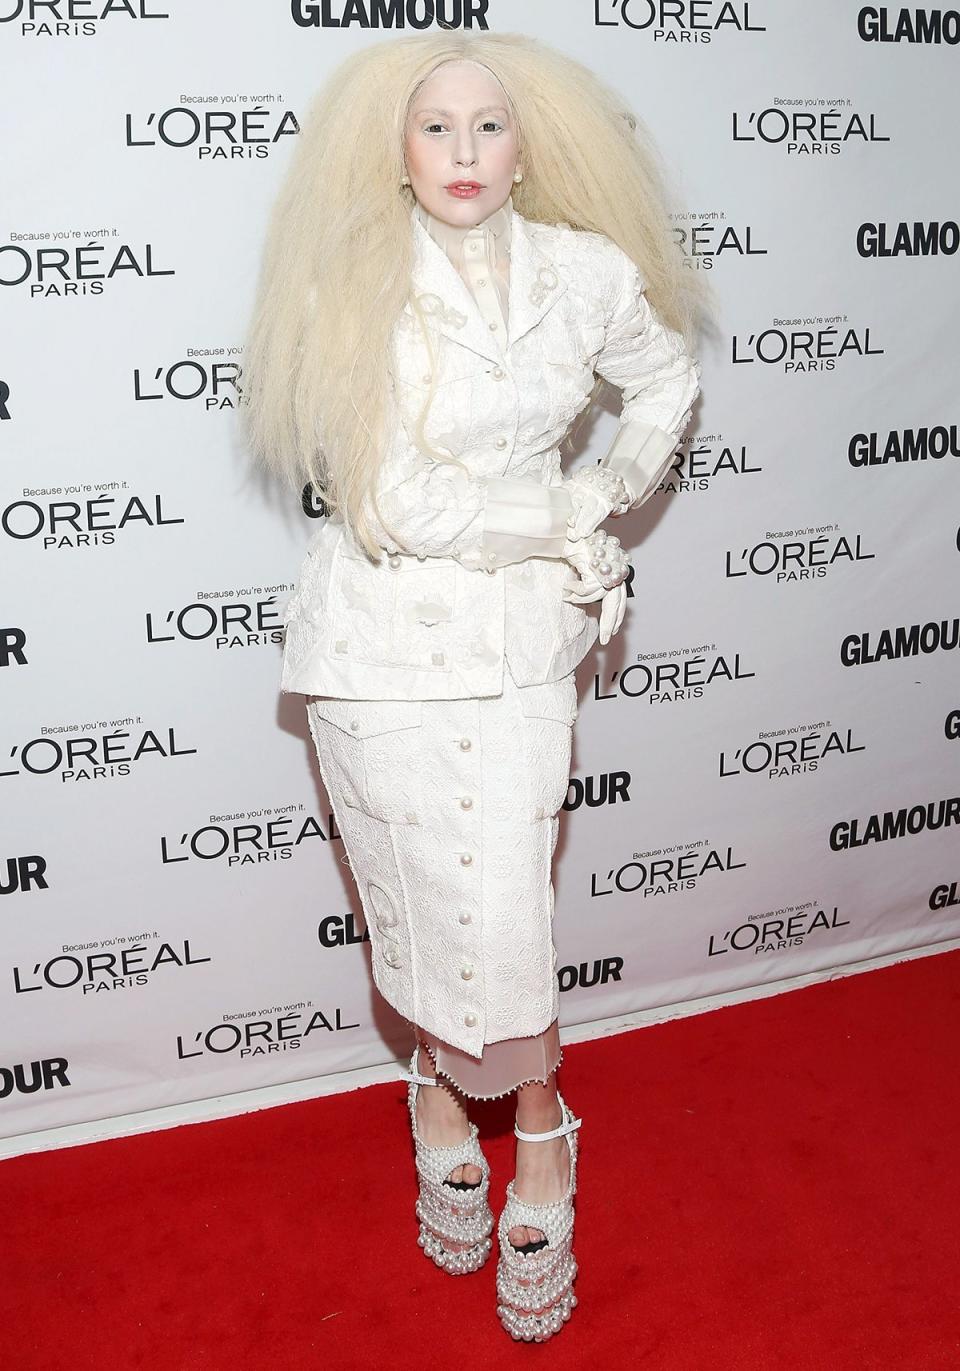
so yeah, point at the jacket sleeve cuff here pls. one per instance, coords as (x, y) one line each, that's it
(640, 453)
(523, 519)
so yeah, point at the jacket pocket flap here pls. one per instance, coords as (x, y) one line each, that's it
(552, 700)
(366, 718)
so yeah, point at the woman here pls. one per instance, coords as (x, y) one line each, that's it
(471, 228)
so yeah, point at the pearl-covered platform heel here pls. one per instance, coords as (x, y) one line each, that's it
(455, 1216)
(535, 1289)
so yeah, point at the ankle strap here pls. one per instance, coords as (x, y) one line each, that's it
(567, 1127)
(413, 1074)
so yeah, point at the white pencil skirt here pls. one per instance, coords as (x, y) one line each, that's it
(449, 815)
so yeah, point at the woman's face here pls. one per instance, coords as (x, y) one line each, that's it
(460, 129)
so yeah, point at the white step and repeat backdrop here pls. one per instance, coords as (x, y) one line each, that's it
(766, 761)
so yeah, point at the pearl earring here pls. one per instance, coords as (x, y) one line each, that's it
(404, 180)
(518, 175)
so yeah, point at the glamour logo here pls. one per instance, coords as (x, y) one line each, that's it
(930, 239)
(217, 135)
(907, 640)
(264, 1034)
(610, 788)
(694, 468)
(664, 872)
(945, 896)
(98, 971)
(802, 345)
(882, 25)
(776, 931)
(94, 754)
(311, 504)
(12, 642)
(787, 755)
(26, 1078)
(4, 400)
(73, 18)
(951, 725)
(340, 930)
(820, 129)
(89, 523)
(24, 874)
(215, 384)
(676, 21)
(390, 14)
(903, 445)
(894, 824)
(590, 974)
(61, 272)
(240, 621)
(798, 558)
(678, 676)
(252, 838)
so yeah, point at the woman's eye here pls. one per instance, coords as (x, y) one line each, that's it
(488, 124)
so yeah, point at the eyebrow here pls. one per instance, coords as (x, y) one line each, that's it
(485, 109)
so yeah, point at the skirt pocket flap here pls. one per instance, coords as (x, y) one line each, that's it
(367, 718)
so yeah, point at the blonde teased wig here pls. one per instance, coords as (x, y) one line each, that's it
(339, 252)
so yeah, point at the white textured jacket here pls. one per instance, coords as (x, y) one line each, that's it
(483, 578)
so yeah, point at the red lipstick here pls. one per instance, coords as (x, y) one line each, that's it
(464, 190)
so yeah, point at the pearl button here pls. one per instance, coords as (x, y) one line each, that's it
(466, 918)
(428, 376)
(465, 858)
(491, 325)
(491, 556)
(466, 802)
(354, 724)
(465, 745)
(467, 972)
(500, 442)
(498, 373)
(394, 562)
(391, 955)
(482, 281)
(470, 1020)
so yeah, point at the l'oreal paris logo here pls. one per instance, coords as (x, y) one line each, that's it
(677, 21)
(74, 18)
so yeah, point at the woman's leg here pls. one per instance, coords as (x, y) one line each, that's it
(441, 1116)
(542, 1168)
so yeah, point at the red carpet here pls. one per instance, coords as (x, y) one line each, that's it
(773, 1185)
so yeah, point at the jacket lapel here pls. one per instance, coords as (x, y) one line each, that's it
(535, 283)
(446, 299)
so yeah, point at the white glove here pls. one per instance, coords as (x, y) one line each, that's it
(596, 494)
(602, 567)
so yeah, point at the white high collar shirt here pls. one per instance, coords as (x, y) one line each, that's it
(481, 254)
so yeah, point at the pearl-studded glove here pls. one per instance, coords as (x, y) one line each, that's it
(597, 494)
(602, 567)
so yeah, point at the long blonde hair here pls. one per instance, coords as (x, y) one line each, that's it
(339, 252)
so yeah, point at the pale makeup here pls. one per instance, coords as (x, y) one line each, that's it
(459, 128)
